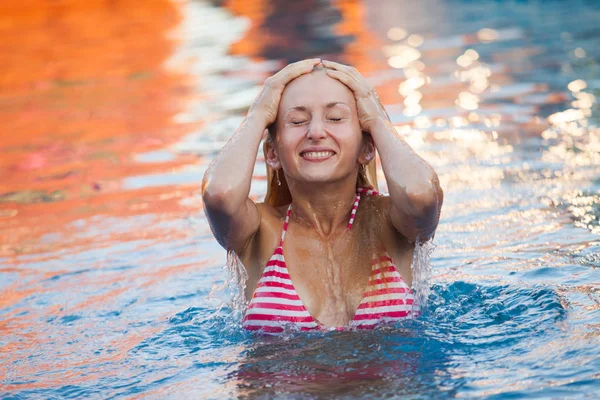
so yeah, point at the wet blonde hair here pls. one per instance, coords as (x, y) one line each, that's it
(279, 194)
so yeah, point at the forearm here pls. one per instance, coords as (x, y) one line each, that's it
(412, 183)
(228, 177)
(415, 194)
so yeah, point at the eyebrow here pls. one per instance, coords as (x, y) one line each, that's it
(335, 103)
(331, 104)
(299, 108)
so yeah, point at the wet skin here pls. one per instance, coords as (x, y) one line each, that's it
(329, 265)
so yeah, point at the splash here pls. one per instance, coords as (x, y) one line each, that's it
(421, 270)
(236, 284)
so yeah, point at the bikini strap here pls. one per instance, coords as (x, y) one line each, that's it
(359, 191)
(367, 191)
(353, 212)
(285, 224)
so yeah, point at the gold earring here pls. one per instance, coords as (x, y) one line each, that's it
(277, 174)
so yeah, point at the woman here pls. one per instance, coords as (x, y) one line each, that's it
(348, 250)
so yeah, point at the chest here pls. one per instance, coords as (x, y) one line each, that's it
(330, 276)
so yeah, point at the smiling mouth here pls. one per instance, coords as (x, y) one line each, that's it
(316, 155)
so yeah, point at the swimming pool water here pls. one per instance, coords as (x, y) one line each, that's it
(112, 285)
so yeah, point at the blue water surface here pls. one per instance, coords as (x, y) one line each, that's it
(501, 100)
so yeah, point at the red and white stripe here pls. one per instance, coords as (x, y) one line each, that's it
(275, 303)
(359, 191)
(368, 191)
(387, 297)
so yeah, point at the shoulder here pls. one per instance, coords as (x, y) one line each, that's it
(376, 206)
(377, 209)
(267, 237)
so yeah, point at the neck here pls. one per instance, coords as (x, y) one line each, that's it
(325, 207)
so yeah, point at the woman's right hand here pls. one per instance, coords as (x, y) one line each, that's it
(267, 103)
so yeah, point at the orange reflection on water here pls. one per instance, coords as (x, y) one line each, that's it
(357, 52)
(67, 371)
(291, 31)
(84, 89)
(254, 39)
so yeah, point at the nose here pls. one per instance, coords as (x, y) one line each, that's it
(316, 130)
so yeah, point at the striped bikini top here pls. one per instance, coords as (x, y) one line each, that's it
(276, 305)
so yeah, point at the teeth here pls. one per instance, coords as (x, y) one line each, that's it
(318, 154)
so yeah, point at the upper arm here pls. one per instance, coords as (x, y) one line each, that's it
(233, 228)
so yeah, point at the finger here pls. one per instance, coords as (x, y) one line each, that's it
(336, 66)
(346, 80)
(347, 69)
(294, 70)
(308, 63)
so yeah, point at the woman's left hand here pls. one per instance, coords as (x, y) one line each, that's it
(368, 104)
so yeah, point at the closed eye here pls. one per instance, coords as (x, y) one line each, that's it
(298, 122)
(335, 119)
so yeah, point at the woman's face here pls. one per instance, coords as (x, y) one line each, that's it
(318, 133)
